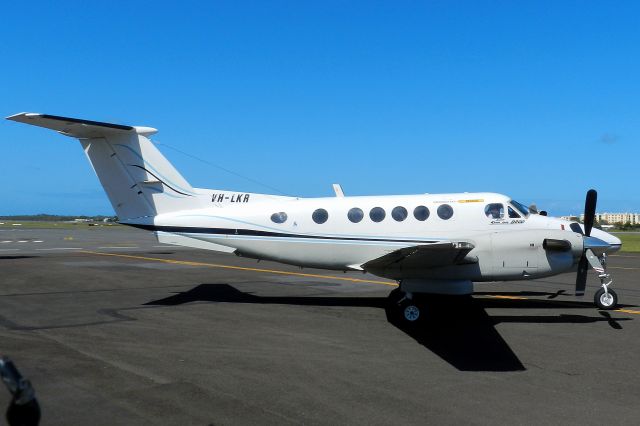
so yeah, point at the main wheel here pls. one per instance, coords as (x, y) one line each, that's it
(410, 312)
(607, 300)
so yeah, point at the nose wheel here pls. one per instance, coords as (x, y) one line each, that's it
(606, 299)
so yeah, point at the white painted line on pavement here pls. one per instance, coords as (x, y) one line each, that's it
(61, 248)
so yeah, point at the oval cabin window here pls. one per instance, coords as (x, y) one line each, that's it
(355, 215)
(280, 217)
(445, 212)
(421, 213)
(320, 216)
(399, 213)
(377, 214)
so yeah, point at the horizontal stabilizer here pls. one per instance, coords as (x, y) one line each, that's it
(76, 127)
(139, 181)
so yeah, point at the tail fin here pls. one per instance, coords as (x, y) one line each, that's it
(139, 181)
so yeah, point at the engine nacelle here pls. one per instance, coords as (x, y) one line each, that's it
(533, 253)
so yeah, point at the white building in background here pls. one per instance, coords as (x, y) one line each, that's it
(632, 218)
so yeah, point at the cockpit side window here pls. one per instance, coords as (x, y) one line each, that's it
(520, 207)
(494, 211)
(512, 213)
(576, 228)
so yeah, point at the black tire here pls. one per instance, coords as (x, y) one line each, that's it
(411, 312)
(602, 302)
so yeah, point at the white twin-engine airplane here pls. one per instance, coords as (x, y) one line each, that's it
(429, 243)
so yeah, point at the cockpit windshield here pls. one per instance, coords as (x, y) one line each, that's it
(520, 207)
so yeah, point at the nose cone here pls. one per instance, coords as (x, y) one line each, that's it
(613, 241)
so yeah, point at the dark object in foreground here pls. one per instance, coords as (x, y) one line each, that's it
(24, 409)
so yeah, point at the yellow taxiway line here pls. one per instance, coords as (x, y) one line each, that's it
(500, 296)
(242, 268)
(628, 311)
(297, 274)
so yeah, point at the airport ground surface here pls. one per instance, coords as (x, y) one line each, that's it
(113, 328)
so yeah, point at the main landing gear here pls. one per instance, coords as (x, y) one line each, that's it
(406, 306)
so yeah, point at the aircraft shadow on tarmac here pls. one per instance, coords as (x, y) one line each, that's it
(15, 257)
(457, 328)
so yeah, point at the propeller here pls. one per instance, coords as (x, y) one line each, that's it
(590, 211)
(589, 216)
(581, 279)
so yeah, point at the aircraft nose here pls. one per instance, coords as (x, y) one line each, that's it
(614, 242)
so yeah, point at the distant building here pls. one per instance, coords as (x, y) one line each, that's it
(632, 218)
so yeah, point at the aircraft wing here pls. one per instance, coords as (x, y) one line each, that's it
(423, 256)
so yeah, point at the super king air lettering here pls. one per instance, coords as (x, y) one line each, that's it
(230, 198)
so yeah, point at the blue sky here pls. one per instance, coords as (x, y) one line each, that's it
(537, 100)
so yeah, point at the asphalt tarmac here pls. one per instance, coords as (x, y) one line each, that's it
(112, 327)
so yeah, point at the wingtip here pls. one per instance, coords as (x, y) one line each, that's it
(15, 117)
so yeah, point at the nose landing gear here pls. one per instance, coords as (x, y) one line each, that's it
(605, 298)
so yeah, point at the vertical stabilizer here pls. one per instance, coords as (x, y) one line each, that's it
(139, 181)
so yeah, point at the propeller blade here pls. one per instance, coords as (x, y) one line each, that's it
(581, 278)
(590, 210)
